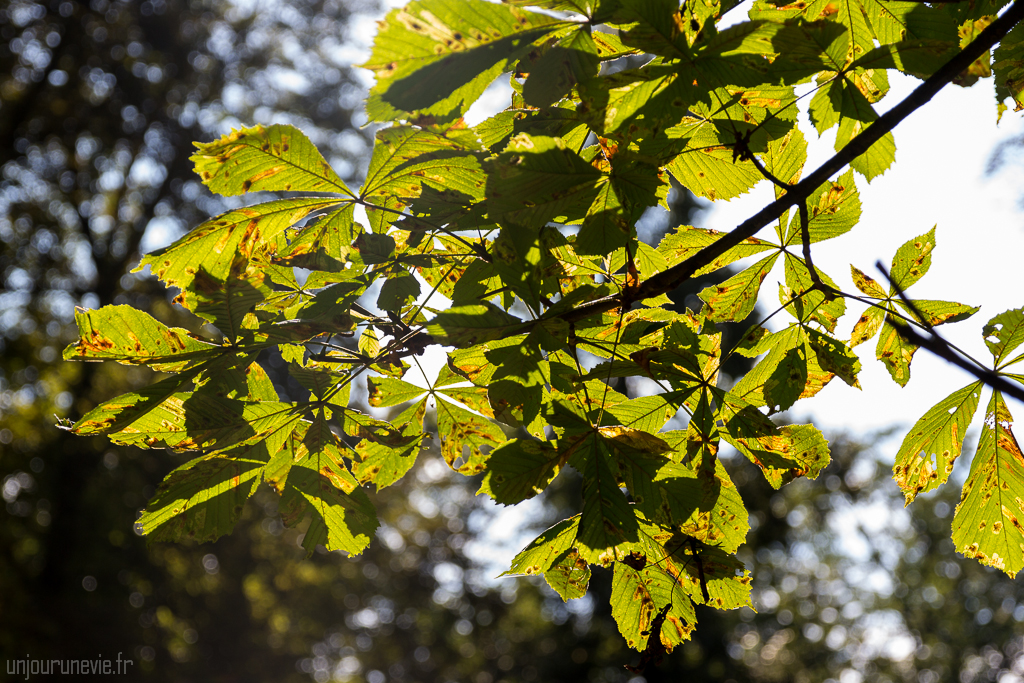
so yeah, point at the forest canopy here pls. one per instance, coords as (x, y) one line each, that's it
(512, 244)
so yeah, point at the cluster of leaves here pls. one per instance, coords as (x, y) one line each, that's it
(525, 223)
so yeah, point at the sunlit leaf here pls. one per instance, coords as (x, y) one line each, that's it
(925, 459)
(987, 525)
(276, 158)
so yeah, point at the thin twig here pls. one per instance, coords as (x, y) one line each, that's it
(938, 345)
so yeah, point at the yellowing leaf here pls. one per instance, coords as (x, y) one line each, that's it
(437, 56)
(213, 245)
(132, 337)
(988, 521)
(735, 298)
(277, 158)
(463, 435)
(925, 459)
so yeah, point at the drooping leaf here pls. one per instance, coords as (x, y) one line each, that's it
(925, 459)
(607, 519)
(203, 499)
(987, 525)
(321, 487)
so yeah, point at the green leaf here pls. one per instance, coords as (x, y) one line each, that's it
(1003, 334)
(439, 169)
(648, 413)
(925, 459)
(607, 519)
(685, 241)
(938, 312)
(832, 210)
(463, 435)
(785, 158)
(538, 179)
(553, 554)
(638, 597)
(895, 352)
(987, 523)
(184, 421)
(1009, 68)
(277, 158)
(920, 58)
(322, 244)
(735, 298)
(321, 487)
(520, 469)
(132, 337)
(213, 245)
(203, 499)
(226, 303)
(545, 550)
(782, 453)
(912, 261)
(573, 59)
(713, 172)
(835, 357)
(810, 304)
(383, 461)
(469, 325)
(398, 291)
(437, 56)
(386, 391)
(569, 575)
(778, 380)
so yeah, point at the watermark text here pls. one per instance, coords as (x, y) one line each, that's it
(100, 666)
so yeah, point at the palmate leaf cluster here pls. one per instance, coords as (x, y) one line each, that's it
(513, 245)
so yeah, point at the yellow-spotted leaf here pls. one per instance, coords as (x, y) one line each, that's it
(277, 158)
(463, 437)
(213, 245)
(988, 522)
(437, 56)
(925, 459)
(131, 337)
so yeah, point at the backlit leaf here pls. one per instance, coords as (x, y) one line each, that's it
(925, 459)
(277, 158)
(987, 525)
(132, 337)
